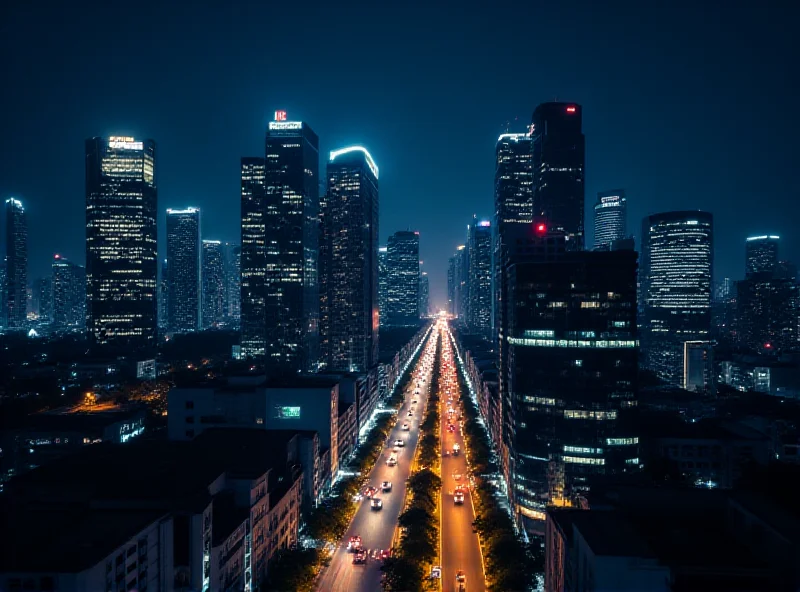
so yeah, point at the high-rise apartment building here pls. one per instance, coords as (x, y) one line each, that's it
(383, 284)
(183, 271)
(761, 254)
(231, 261)
(675, 289)
(610, 218)
(402, 261)
(559, 164)
(424, 294)
(291, 214)
(16, 285)
(479, 245)
(214, 284)
(121, 242)
(69, 293)
(570, 369)
(351, 220)
(253, 258)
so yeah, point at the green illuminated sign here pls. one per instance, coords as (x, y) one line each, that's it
(288, 412)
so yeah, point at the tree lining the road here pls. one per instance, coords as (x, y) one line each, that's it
(293, 570)
(512, 563)
(418, 544)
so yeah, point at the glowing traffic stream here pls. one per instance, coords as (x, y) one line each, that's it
(356, 562)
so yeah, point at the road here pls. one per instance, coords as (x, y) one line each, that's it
(376, 527)
(460, 546)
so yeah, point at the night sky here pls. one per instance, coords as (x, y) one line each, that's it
(686, 105)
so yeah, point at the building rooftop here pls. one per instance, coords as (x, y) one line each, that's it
(296, 381)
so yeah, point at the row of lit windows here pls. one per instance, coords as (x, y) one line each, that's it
(579, 343)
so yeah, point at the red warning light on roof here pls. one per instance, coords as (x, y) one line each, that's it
(280, 115)
(541, 228)
(57, 256)
(768, 345)
(571, 109)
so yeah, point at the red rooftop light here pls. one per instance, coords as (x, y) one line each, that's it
(541, 228)
(570, 109)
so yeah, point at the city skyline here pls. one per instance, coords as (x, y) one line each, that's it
(633, 129)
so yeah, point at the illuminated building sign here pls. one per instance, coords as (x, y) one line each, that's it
(288, 412)
(285, 125)
(280, 115)
(570, 109)
(130, 430)
(124, 143)
(484, 223)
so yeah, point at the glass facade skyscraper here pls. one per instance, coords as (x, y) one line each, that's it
(351, 220)
(183, 271)
(424, 294)
(214, 284)
(761, 254)
(253, 258)
(383, 284)
(479, 244)
(16, 284)
(231, 261)
(121, 242)
(69, 293)
(558, 165)
(402, 262)
(675, 289)
(291, 181)
(610, 218)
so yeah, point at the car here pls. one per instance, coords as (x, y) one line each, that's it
(405, 427)
(456, 449)
(360, 558)
(392, 462)
(458, 497)
(399, 443)
(410, 414)
(370, 491)
(457, 476)
(386, 486)
(376, 503)
(385, 553)
(461, 577)
(354, 544)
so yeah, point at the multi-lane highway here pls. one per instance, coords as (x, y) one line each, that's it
(460, 547)
(376, 527)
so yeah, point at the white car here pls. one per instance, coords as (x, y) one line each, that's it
(399, 443)
(405, 427)
(392, 462)
(376, 503)
(386, 486)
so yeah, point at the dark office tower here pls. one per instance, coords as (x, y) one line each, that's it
(253, 258)
(479, 244)
(183, 271)
(352, 219)
(231, 261)
(558, 169)
(121, 242)
(403, 282)
(324, 280)
(761, 254)
(42, 293)
(571, 368)
(675, 289)
(451, 284)
(2, 293)
(292, 217)
(69, 294)
(383, 284)
(460, 284)
(610, 218)
(424, 294)
(16, 264)
(213, 294)
(163, 296)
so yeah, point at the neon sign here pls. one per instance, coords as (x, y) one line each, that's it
(280, 115)
(285, 125)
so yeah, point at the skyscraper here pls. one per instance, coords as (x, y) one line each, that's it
(69, 294)
(570, 369)
(610, 218)
(16, 264)
(761, 254)
(325, 241)
(352, 219)
(3, 293)
(513, 200)
(214, 284)
(42, 292)
(121, 242)
(253, 258)
(558, 169)
(675, 289)
(403, 281)
(291, 179)
(163, 296)
(383, 284)
(231, 261)
(424, 294)
(451, 284)
(183, 271)
(479, 244)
